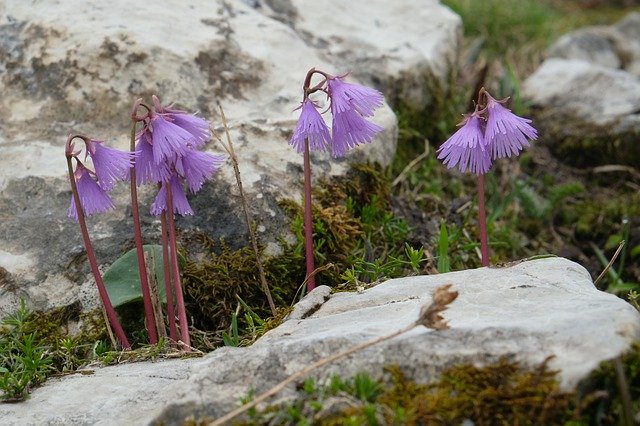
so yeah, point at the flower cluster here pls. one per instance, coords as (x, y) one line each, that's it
(351, 104)
(169, 153)
(487, 134)
(110, 165)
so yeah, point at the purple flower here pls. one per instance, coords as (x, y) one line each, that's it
(466, 147)
(197, 166)
(506, 132)
(111, 164)
(196, 126)
(168, 139)
(180, 203)
(350, 103)
(350, 129)
(147, 171)
(93, 198)
(193, 124)
(310, 125)
(346, 96)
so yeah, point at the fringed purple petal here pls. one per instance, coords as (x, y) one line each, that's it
(180, 203)
(310, 125)
(111, 164)
(506, 132)
(196, 167)
(345, 96)
(93, 198)
(350, 129)
(466, 148)
(147, 171)
(196, 126)
(169, 140)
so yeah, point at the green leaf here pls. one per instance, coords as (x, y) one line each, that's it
(122, 279)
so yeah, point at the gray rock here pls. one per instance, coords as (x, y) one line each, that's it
(586, 95)
(592, 44)
(76, 66)
(527, 312)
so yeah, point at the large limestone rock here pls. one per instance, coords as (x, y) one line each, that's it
(587, 94)
(527, 312)
(76, 66)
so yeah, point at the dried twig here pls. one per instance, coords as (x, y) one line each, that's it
(613, 259)
(228, 146)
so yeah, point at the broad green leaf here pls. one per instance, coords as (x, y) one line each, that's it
(122, 278)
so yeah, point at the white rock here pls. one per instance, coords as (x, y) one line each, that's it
(587, 95)
(76, 66)
(526, 312)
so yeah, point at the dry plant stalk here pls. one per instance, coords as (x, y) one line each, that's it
(429, 317)
(228, 146)
(150, 262)
(611, 262)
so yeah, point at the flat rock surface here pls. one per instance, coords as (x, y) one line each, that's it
(527, 312)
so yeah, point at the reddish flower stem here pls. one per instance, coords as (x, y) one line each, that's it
(308, 219)
(137, 237)
(182, 313)
(91, 256)
(482, 219)
(167, 279)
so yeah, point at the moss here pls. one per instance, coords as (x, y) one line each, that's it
(214, 285)
(499, 394)
(54, 328)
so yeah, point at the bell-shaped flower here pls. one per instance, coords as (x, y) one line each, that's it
(93, 198)
(350, 129)
(350, 103)
(466, 148)
(345, 96)
(196, 167)
(168, 139)
(179, 199)
(147, 171)
(111, 165)
(310, 126)
(506, 133)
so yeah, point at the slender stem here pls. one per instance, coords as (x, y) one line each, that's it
(91, 256)
(173, 335)
(182, 313)
(308, 219)
(482, 219)
(150, 319)
(245, 208)
(277, 388)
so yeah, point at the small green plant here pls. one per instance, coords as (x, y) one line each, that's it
(24, 358)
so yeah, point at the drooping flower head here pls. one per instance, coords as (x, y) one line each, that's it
(93, 198)
(312, 126)
(490, 132)
(466, 148)
(147, 171)
(169, 152)
(506, 133)
(110, 164)
(350, 104)
(347, 96)
(196, 167)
